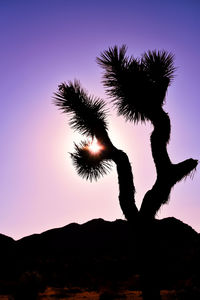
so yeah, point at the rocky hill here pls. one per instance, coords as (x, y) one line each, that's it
(101, 253)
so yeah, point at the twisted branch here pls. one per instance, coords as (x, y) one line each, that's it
(168, 174)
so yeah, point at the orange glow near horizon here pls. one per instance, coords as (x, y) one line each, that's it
(94, 147)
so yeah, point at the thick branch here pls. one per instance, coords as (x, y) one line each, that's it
(159, 140)
(125, 176)
(168, 174)
(126, 186)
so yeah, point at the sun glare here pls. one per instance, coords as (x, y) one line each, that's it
(94, 146)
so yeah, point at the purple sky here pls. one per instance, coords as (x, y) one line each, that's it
(46, 42)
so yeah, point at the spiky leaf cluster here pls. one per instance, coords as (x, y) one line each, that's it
(88, 114)
(159, 65)
(89, 166)
(138, 87)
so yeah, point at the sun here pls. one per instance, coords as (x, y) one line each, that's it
(94, 147)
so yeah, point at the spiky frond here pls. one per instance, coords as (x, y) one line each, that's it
(121, 79)
(88, 114)
(138, 87)
(159, 65)
(115, 64)
(112, 59)
(89, 166)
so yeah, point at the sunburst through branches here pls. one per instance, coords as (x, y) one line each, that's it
(90, 161)
(95, 147)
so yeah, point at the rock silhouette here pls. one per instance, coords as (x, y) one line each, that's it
(100, 254)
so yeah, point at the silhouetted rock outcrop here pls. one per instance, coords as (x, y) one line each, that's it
(98, 252)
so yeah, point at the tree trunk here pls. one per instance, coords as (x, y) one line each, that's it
(168, 174)
(125, 176)
(126, 186)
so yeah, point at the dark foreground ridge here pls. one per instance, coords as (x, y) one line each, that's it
(98, 254)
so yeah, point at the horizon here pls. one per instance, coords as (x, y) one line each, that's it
(46, 43)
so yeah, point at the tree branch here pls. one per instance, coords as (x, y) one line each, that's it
(168, 174)
(125, 176)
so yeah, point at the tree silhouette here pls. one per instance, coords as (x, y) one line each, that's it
(138, 88)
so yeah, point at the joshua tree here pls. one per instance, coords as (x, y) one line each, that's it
(138, 88)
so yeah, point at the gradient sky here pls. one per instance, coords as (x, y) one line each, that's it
(46, 42)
